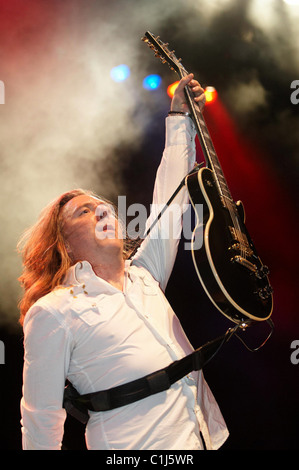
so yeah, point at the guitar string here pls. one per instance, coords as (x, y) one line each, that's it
(237, 229)
(224, 191)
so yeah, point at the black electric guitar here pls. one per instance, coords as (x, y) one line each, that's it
(226, 261)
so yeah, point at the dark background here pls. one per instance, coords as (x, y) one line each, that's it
(66, 124)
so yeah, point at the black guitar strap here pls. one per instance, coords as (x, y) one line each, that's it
(78, 405)
(197, 166)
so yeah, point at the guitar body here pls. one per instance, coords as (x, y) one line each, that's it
(232, 276)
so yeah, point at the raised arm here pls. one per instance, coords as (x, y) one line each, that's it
(159, 249)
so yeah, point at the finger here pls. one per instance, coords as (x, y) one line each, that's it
(185, 81)
(197, 89)
(194, 83)
(200, 99)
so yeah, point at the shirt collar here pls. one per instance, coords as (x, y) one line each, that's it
(82, 274)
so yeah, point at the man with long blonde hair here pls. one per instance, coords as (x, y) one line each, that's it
(100, 320)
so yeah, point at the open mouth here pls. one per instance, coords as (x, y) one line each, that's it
(105, 230)
(108, 227)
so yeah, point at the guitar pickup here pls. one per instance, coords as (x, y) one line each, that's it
(245, 263)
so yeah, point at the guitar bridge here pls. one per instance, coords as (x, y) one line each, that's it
(245, 263)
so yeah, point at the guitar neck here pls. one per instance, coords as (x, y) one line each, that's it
(205, 140)
(207, 146)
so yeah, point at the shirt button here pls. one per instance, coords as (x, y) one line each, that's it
(189, 379)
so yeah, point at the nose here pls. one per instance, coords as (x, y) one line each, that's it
(101, 214)
(104, 211)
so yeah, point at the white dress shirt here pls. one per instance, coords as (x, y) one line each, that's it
(98, 337)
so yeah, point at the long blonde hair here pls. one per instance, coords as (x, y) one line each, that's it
(44, 254)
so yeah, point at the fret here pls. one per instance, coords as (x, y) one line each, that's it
(211, 149)
(202, 121)
(206, 135)
(226, 195)
(217, 166)
(213, 152)
(225, 191)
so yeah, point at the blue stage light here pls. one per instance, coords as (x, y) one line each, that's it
(120, 73)
(152, 82)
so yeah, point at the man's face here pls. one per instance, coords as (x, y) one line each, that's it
(89, 227)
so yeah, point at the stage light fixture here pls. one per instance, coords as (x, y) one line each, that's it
(171, 88)
(152, 82)
(211, 94)
(120, 73)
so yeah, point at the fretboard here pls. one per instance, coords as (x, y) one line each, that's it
(208, 149)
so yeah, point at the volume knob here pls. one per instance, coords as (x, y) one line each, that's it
(262, 272)
(265, 292)
(265, 270)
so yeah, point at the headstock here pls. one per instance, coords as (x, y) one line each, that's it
(161, 50)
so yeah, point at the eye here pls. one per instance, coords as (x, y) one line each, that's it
(84, 211)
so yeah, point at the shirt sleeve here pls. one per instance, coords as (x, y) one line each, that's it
(47, 354)
(159, 249)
